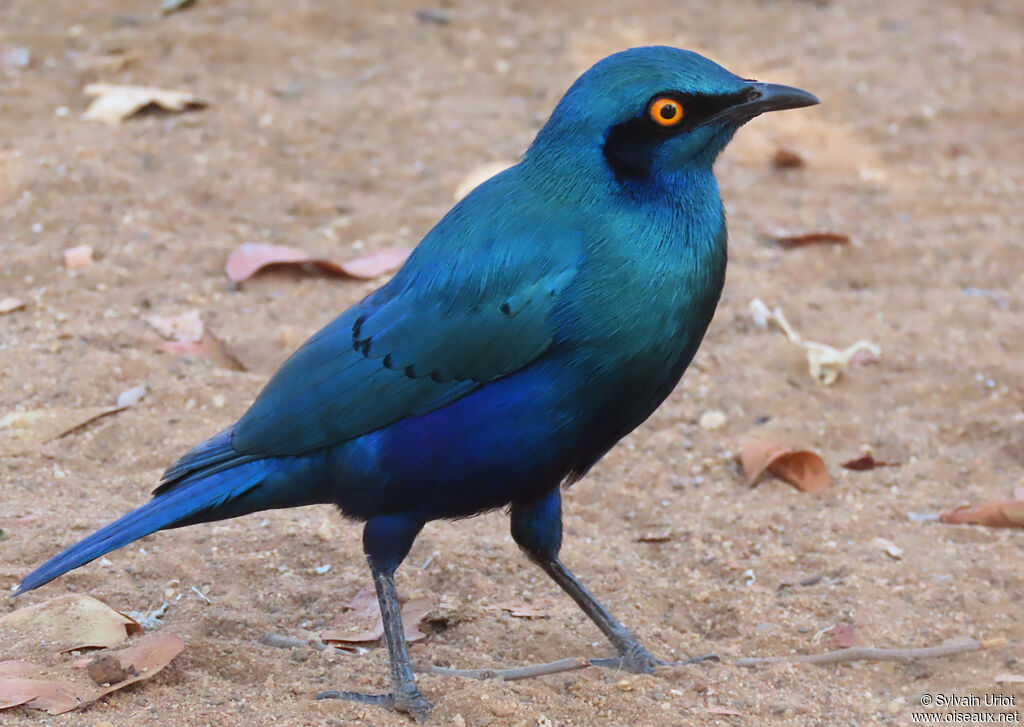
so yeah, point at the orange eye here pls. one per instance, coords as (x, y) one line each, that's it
(665, 111)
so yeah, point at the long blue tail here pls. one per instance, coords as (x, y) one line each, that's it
(228, 493)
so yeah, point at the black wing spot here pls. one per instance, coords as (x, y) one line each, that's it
(363, 347)
(410, 372)
(387, 361)
(505, 308)
(436, 377)
(358, 326)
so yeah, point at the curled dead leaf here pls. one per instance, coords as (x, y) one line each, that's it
(786, 159)
(998, 514)
(803, 469)
(9, 305)
(361, 624)
(115, 102)
(865, 463)
(188, 335)
(811, 238)
(71, 622)
(843, 635)
(251, 257)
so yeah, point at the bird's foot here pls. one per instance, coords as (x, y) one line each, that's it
(634, 658)
(412, 703)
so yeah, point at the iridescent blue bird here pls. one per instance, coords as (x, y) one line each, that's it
(542, 319)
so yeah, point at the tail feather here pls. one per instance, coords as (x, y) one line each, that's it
(204, 498)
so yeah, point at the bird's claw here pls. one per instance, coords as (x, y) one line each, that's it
(413, 704)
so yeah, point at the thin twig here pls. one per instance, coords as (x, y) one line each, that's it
(867, 653)
(508, 675)
(539, 670)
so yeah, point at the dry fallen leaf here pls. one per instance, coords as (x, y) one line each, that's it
(187, 335)
(824, 362)
(187, 326)
(1007, 678)
(52, 696)
(115, 102)
(64, 691)
(251, 257)
(810, 238)
(478, 176)
(78, 258)
(843, 635)
(803, 469)
(361, 624)
(891, 549)
(9, 305)
(866, 462)
(998, 514)
(24, 431)
(786, 159)
(71, 622)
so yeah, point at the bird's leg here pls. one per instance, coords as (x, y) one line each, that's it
(386, 540)
(537, 528)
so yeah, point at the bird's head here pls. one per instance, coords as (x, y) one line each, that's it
(654, 111)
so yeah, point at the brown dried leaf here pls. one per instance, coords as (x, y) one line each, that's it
(786, 159)
(803, 469)
(187, 335)
(23, 431)
(53, 696)
(115, 102)
(867, 462)
(16, 668)
(361, 624)
(999, 514)
(413, 613)
(843, 635)
(145, 658)
(71, 622)
(539, 608)
(251, 257)
(187, 326)
(376, 263)
(9, 305)
(208, 345)
(811, 238)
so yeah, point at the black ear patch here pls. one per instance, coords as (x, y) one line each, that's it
(630, 146)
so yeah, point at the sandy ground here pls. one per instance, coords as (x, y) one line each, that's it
(344, 128)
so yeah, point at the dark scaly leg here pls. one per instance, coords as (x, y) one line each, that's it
(386, 541)
(537, 528)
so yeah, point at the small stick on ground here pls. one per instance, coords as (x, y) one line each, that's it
(867, 653)
(508, 675)
(539, 670)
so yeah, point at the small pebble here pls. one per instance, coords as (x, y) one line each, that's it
(713, 419)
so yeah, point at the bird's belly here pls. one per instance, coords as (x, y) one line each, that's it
(511, 440)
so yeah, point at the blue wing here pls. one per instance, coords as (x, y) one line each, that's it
(473, 303)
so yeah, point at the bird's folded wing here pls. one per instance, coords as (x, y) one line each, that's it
(406, 350)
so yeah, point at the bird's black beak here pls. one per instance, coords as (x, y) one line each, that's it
(758, 98)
